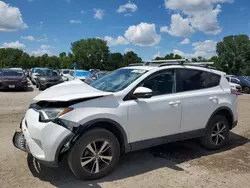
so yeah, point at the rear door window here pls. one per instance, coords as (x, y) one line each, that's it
(191, 79)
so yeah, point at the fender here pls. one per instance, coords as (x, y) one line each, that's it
(216, 111)
(122, 134)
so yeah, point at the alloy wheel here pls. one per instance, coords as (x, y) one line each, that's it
(218, 133)
(96, 156)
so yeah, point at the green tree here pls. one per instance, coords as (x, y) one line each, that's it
(131, 57)
(115, 61)
(62, 55)
(90, 53)
(169, 57)
(234, 54)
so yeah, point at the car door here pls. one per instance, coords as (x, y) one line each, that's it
(200, 93)
(159, 115)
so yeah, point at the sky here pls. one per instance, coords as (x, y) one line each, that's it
(151, 28)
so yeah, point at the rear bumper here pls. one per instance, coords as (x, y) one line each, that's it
(15, 85)
(44, 141)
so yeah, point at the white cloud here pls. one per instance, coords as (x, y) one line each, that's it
(205, 49)
(30, 0)
(45, 47)
(202, 14)
(16, 44)
(128, 7)
(185, 41)
(75, 21)
(10, 18)
(41, 52)
(143, 34)
(30, 38)
(83, 12)
(179, 27)
(157, 55)
(129, 50)
(114, 42)
(99, 14)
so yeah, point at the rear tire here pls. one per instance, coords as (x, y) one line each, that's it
(94, 155)
(216, 133)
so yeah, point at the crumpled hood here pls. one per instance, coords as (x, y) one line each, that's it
(68, 91)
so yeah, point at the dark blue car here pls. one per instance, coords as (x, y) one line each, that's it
(245, 84)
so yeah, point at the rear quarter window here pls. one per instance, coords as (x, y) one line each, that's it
(191, 79)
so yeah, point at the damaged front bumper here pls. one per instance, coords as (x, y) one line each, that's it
(44, 141)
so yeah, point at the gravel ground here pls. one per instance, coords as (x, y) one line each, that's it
(181, 164)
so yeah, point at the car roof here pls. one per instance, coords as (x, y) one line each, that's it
(11, 70)
(149, 68)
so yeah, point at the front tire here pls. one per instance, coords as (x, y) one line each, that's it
(95, 154)
(216, 134)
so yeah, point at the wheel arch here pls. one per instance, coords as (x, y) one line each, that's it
(109, 125)
(226, 111)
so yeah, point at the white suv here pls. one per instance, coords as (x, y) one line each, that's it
(129, 109)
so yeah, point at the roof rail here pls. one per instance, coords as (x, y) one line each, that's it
(199, 63)
(162, 63)
(165, 62)
(135, 64)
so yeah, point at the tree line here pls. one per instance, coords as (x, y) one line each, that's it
(233, 56)
(89, 53)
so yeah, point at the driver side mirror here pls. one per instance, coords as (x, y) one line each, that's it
(143, 92)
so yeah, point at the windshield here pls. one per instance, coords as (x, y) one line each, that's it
(65, 72)
(48, 73)
(12, 73)
(117, 80)
(82, 73)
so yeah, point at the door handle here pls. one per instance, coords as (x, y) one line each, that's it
(174, 103)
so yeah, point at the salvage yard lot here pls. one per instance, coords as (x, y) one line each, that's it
(182, 164)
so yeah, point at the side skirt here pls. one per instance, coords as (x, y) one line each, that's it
(166, 139)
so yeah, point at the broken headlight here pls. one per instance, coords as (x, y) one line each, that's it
(48, 114)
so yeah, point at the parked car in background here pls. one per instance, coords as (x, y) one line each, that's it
(48, 78)
(16, 69)
(94, 76)
(234, 82)
(94, 70)
(245, 84)
(34, 73)
(78, 74)
(246, 77)
(13, 79)
(130, 109)
(65, 74)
